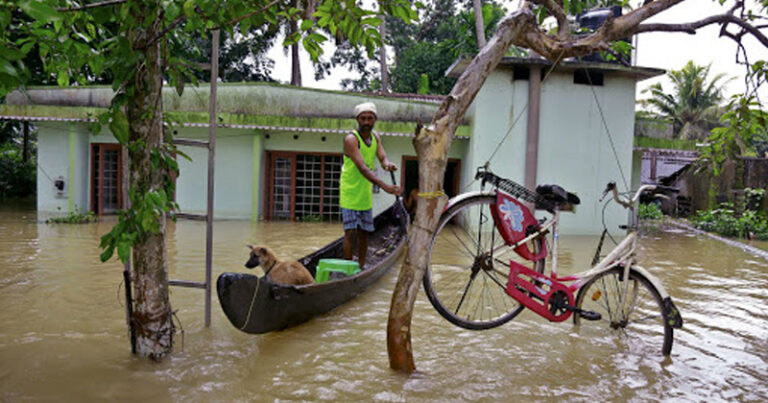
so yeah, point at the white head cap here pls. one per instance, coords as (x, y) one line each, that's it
(365, 107)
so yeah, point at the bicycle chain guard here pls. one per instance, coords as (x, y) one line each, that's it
(515, 222)
(535, 291)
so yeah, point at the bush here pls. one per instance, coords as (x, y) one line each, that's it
(17, 178)
(649, 211)
(724, 220)
(74, 218)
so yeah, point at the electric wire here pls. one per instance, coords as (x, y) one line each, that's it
(607, 130)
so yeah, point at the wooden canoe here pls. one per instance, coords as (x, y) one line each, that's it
(255, 305)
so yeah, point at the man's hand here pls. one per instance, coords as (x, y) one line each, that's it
(388, 166)
(391, 189)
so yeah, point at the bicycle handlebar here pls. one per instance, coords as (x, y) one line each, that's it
(629, 203)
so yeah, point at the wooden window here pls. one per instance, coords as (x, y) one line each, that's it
(106, 175)
(588, 77)
(303, 185)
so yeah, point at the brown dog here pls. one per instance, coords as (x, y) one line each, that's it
(278, 272)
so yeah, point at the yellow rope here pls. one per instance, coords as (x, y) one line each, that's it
(250, 308)
(431, 195)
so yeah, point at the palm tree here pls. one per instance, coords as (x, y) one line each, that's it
(693, 106)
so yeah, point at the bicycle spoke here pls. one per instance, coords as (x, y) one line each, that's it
(465, 244)
(631, 307)
(464, 294)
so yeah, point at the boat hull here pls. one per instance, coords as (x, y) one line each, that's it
(255, 305)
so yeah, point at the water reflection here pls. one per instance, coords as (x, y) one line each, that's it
(63, 333)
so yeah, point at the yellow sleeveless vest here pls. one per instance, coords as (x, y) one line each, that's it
(355, 191)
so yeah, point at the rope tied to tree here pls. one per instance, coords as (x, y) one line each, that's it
(431, 195)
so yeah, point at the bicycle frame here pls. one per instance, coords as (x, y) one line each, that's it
(541, 292)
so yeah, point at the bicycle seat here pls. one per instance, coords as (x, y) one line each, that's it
(558, 196)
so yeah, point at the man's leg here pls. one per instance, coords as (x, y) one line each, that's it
(349, 241)
(362, 246)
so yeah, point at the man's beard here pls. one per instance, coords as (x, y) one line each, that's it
(366, 128)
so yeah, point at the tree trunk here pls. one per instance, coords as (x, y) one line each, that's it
(432, 144)
(295, 62)
(152, 315)
(383, 58)
(479, 26)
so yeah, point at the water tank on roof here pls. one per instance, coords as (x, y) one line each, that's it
(592, 20)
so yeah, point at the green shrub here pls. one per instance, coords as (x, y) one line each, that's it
(17, 178)
(724, 220)
(649, 211)
(74, 218)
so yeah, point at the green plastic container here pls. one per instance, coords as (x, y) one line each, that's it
(326, 266)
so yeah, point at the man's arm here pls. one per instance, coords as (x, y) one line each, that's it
(382, 155)
(352, 151)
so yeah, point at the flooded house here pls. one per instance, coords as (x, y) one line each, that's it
(278, 150)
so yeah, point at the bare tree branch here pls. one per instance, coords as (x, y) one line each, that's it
(91, 5)
(167, 29)
(693, 26)
(557, 11)
(249, 15)
(552, 47)
(181, 18)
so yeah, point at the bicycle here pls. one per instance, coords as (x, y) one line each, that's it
(487, 259)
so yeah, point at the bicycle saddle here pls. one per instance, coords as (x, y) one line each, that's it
(557, 195)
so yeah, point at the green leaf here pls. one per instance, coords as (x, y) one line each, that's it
(5, 18)
(63, 78)
(107, 254)
(40, 11)
(306, 25)
(7, 68)
(189, 8)
(124, 250)
(317, 37)
(374, 22)
(119, 126)
(27, 47)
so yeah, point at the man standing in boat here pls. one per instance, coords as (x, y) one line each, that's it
(361, 148)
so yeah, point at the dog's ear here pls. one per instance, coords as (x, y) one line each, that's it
(249, 246)
(263, 251)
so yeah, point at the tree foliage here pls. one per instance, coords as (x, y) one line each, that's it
(693, 105)
(743, 133)
(135, 43)
(431, 46)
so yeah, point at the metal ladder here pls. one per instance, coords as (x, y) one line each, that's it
(208, 216)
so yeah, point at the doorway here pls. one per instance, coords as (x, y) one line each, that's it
(106, 171)
(410, 178)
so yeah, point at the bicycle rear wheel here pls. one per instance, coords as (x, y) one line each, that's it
(468, 267)
(638, 320)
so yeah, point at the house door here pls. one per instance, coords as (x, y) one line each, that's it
(106, 171)
(303, 186)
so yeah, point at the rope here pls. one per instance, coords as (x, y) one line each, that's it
(431, 195)
(607, 130)
(250, 308)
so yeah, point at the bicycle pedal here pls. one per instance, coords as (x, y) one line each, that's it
(590, 315)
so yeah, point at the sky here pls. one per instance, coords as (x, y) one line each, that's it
(669, 51)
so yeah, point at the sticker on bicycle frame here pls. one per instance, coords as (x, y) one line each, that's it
(513, 220)
(513, 215)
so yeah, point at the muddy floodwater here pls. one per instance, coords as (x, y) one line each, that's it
(63, 335)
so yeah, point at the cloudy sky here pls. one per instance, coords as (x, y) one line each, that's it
(670, 51)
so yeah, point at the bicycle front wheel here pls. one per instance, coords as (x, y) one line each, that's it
(631, 310)
(468, 267)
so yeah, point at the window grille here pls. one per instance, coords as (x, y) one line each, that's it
(315, 188)
(281, 188)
